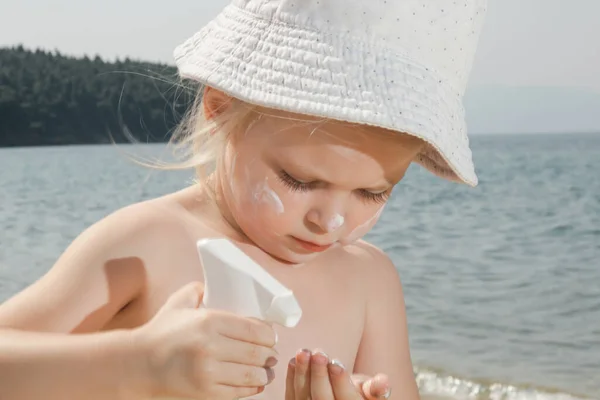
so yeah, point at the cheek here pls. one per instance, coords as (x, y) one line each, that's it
(251, 189)
(263, 196)
(257, 198)
(263, 206)
(363, 228)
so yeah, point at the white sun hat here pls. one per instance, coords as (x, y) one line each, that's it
(396, 64)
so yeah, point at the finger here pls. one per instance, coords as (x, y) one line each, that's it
(232, 374)
(359, 380)
(188, 296)
(320, 386)
(302, 375)
(249, 330)
(341, 384)
(289, 380)
(377, 387)
(236, 351)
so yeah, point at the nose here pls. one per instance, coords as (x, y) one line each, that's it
(326, 221)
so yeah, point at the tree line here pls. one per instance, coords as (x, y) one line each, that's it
(47, 98)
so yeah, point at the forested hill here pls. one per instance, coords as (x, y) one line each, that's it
(49, 99)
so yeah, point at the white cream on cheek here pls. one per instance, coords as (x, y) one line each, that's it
(272, 198)
(258, 192)
(362, 229)
(262, 193)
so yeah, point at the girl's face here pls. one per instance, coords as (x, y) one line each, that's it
(297, 188)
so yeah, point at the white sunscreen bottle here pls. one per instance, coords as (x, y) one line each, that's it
(236, 283)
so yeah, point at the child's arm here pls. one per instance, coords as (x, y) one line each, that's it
(96, 276)
(46, 354)
(385, 347)
(53, 366)
(92, 280)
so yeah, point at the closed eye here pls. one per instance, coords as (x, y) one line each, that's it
(298, 186)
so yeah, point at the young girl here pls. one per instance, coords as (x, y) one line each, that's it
(312, 112)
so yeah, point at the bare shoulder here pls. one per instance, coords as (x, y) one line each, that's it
(128, 231)
(146, 220)
(372, 263)
(376, 275)
(103, 270)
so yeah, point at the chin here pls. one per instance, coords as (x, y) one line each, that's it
(297, 259)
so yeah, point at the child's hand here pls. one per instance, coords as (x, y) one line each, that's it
(372, 388)
(201, 354)
(315, 377)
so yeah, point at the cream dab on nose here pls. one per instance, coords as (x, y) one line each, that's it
(335, 223)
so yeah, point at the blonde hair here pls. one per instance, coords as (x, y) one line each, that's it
(201, 140)
(198, 142)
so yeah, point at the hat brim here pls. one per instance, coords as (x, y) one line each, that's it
(277, 65)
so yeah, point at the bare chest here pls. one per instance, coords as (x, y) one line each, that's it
(331, 301)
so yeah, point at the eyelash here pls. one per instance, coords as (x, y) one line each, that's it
(297, 186)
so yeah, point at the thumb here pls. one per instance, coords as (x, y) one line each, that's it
(188, 296)
(372, 388)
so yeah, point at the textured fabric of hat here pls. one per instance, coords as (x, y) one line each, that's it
(397, 64)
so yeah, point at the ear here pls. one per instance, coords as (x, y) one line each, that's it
(215, 102)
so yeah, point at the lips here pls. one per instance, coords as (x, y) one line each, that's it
(310, 246)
